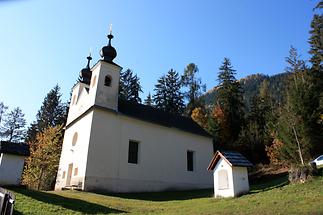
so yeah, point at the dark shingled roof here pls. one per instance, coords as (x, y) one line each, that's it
(233, 158)
(14, 148)
(153, 115)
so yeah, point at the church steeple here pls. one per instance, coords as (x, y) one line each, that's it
(108, 53)
(86, 73)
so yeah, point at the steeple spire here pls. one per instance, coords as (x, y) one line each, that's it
(108, 53)
(86, 73)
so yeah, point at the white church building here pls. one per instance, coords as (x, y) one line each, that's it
(122, 146)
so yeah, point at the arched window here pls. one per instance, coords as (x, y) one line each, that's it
(93, 81)
(74, 140)
(74, 99)
(223, 180)
(107, 81)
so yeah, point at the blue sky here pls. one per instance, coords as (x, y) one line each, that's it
(44, 43)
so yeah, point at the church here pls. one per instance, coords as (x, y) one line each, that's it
(120, 146)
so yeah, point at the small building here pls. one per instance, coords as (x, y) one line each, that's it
(12, 158)
(230, 174)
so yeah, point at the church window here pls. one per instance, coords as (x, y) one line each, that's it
(133, 152)
(190, 160)
(64, 174)
(93, 81)
(76, 170)
(223, 180)
(74, 98)
(107, 81)
(74, 140)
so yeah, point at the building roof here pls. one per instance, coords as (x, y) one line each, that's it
(14, 148)
(153, 115)
(232, 158)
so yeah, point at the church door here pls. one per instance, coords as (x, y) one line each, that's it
(69, 174)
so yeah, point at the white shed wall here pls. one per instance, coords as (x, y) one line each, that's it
(11, 167)
(223, 165)
(240, 180)
(162, 156)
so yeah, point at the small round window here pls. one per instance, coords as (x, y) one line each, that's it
(93, 81)
(107, 81)
(74, 139)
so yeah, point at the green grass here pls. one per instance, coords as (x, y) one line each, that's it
(266, 197)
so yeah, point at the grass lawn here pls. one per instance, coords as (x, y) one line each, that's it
(271, 197)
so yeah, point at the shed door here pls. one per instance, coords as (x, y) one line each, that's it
(223, 179)
(69, 174)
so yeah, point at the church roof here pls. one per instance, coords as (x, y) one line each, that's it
(14, 148)
(233, 158)
(160, 117)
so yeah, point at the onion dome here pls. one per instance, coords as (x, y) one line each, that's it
(108, 53)
(86, 73)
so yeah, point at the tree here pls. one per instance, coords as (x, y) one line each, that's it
(298, 127)
(229, 101)
(194, 86)
(148, 101)
(52, 112)
(316, 42)
(168, 95)
(14, 126)
(42, 164)
(3, 110)
(129, 86)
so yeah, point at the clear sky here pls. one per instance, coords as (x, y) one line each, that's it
(45, 42)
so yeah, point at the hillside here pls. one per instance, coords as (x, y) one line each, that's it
(251, 85)
(273, 198)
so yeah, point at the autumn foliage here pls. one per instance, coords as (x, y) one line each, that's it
(42, 164)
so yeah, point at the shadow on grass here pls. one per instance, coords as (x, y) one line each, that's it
(164, 196)
(269, 182)
(68, 203)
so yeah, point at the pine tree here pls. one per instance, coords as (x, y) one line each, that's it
(52, 112)
(316, 42)
(148, 101)
(129, 86)
(14, 126)
(194, 86)
(229, 100)
(298, 129)
(42, 164)
(168, 95)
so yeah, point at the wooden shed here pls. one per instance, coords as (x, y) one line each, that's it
(230, 174)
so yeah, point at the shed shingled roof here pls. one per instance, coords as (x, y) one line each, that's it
(233, 158)
(14, 148)
(153, 115)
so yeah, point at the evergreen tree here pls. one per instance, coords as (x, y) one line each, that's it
(14, 126)
(148, 101)
(316, 42)
(129, 86)
(298, 127)
(52, 112)
(42, 164)
(229, 101)
(194, 86)
(168, 95)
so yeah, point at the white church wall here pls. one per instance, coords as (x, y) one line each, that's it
(221, 191)
(162, 161)
(240, 180)
(76, 155)
(11, 167)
